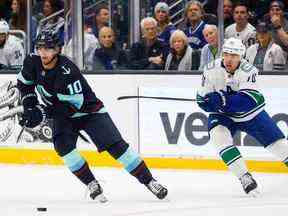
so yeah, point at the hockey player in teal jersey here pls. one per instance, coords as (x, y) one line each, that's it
(230, 94)
(73, 106)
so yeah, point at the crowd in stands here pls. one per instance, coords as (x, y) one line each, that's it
(262, 25)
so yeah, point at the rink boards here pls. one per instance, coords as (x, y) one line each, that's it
(168, 134)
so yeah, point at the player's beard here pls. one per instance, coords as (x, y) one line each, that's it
(51, 63)
(2, 43)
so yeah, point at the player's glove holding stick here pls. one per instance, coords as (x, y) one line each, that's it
(213, 102)
(33, 116)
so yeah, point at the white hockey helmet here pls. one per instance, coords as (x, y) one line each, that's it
(4, 27)
(234, 46)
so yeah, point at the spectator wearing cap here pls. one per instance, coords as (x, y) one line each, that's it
(210, 51)
(241, 29)
(265, 54)
(194, 24)
(149, 53)
(181, 56)
(164, 27)
(279, 24)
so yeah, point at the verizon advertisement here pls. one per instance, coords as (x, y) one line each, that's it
(179, 128)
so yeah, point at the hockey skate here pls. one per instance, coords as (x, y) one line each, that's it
(96, 192)
(157, 189)
(249, 184)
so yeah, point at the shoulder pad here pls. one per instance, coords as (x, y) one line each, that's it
(246, 67)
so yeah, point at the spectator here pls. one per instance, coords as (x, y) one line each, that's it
(101, 19)
(11, 49)
(18, 18)
(91, 43)
(279, 24)
(241, 29)
(181, 56)
(266, 55)
(164, 27)
(194, 24)
(210, 51)
(228, 13)
(57, 22)
(149, 53)
(109, 56)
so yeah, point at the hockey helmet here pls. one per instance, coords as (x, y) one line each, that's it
(47, 38)
(4, 27)
(234, 46)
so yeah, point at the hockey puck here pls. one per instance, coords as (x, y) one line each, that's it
(41, 209)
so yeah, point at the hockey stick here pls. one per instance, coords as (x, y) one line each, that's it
(83, 137)
(20, 134)
(156, 98)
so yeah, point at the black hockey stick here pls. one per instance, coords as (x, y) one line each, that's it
(157, 98)
(20, 134)
(83, 137)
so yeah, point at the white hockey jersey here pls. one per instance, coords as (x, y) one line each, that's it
(91, 43)
(12, 53)
(248, 35)
(274, 59)
(216, 78)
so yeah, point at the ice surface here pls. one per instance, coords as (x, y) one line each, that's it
(191, 193)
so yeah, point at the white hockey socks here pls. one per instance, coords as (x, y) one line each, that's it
(222, 140)
(280, 149)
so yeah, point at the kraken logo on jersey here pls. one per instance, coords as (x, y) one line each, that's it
(66, 70)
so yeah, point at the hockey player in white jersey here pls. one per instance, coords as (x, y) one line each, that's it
(11, 49)
(229, 93)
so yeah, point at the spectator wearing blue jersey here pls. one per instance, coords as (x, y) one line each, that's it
(210, 51)
(194, 24)
(164, 27)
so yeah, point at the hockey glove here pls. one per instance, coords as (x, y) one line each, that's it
(202, 103)
(33, 116)
(30, 100)
(215, 101)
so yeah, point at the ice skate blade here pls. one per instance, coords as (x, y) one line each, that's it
(101, 198)
(254, 193)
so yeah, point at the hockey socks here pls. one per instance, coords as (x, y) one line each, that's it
(84, 174)
(131, 161)
(135, 166)
(222, 140)
(233, 159)
(78, 166)
(280, 149)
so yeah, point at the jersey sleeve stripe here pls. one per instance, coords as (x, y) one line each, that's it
(255, 95)
(23, 80)
(76, 99)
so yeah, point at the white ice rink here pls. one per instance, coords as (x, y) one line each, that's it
(191, 193)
